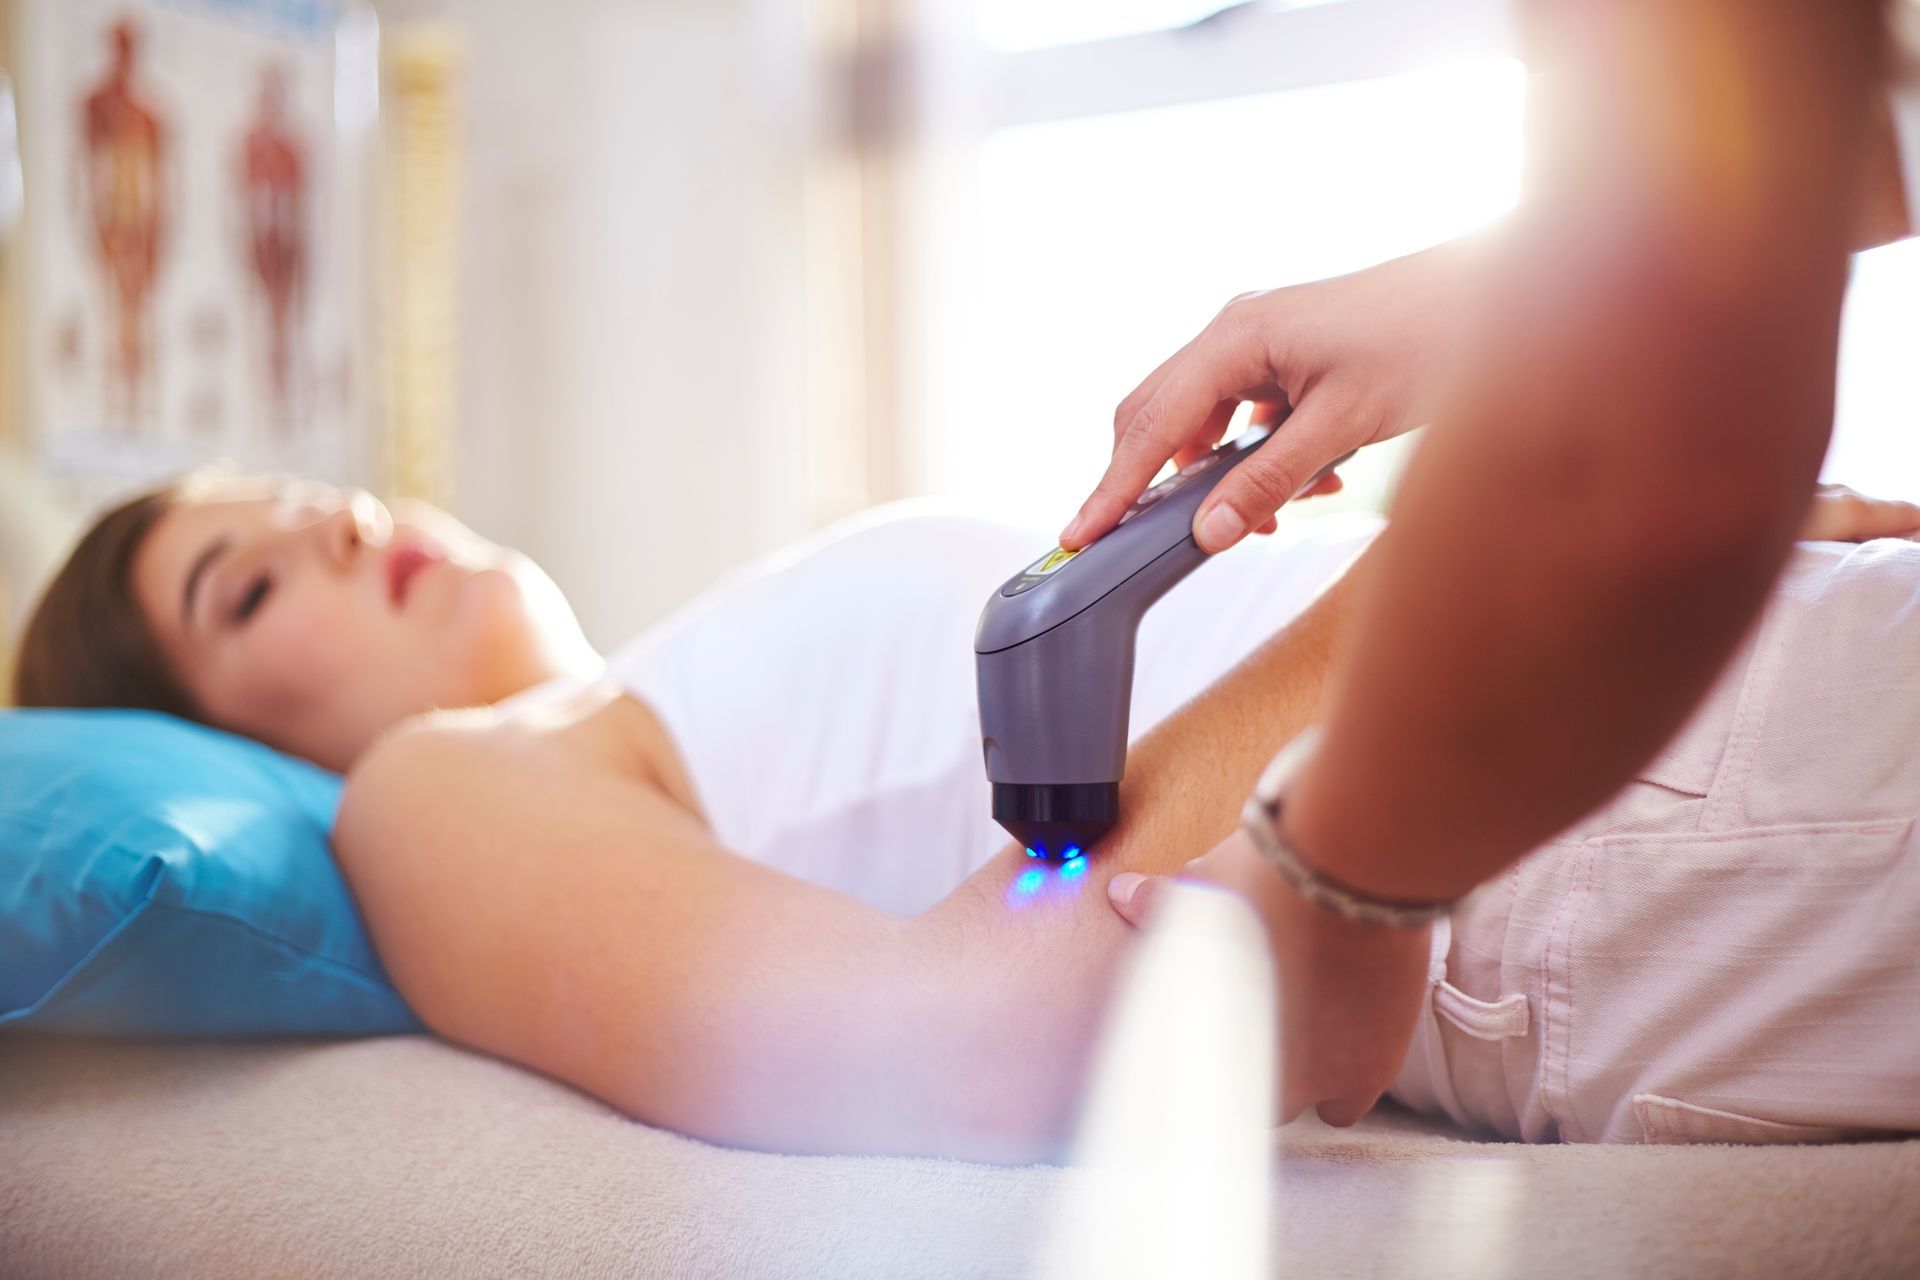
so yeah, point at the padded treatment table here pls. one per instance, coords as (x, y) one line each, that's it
(406, 1157)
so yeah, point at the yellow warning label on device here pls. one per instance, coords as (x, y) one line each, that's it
(1049, 562)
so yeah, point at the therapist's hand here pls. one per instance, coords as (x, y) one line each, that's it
(1348, 994)
(1840, 514)
(1358, 356)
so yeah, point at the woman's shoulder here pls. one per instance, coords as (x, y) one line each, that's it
(595, 728)
(572, 719)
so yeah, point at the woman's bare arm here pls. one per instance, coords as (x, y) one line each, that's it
(534, 898)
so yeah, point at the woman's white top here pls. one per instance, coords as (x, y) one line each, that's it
(823, 700)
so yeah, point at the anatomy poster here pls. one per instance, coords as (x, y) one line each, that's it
(196, 279)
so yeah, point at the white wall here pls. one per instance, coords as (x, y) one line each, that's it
(631, 340)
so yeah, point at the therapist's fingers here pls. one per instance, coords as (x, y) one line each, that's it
(1265, 412)
(1195, 393)
(1203, 441)
(1132, 896)
(1137, 458)
(1344, 1113)
(1841, 514)
(1137, 399)
(1141, 396)
(1247, 497)
(1326, 485)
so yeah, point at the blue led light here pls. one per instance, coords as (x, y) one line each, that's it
(1032, 852)
(1073, 868)
(1073, 851)
(1030, 880)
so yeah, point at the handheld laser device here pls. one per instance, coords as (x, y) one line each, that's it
(1054, 660)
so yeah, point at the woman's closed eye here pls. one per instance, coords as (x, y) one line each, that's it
(252, 598)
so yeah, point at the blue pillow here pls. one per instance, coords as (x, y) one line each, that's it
(160, 878)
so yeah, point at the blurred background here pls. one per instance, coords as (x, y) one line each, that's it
(649, 287)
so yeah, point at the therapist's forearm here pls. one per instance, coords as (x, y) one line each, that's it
(1589, 533)
(1881, 214)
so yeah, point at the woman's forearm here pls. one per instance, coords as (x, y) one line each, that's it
(1030, 970)
(532, 898)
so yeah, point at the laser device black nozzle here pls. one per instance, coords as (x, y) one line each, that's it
(1058, 821)
(1054, 659)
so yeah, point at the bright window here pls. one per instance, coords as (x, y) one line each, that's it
(1101, 244)
(1876, 432)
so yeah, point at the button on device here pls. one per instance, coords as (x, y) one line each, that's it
(1171, 483)
(1199, 464)
(1148, 498)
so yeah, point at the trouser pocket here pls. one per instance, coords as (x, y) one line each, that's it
(1669, 1120)
(1768, 975)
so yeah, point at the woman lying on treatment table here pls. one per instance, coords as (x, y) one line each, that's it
(739, 879)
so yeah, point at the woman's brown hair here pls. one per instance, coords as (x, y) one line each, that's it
(87, 643)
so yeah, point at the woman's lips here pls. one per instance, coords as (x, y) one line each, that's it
(404, 563)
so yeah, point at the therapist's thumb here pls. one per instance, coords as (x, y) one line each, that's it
(1253, 491)
(1133, 895)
